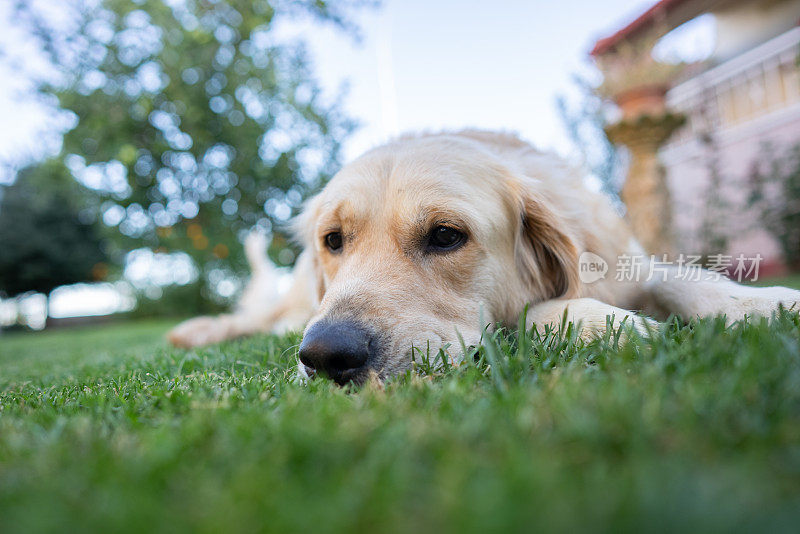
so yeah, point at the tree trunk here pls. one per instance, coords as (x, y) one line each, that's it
(46, 309)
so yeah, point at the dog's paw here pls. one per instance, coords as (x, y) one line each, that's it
(593, 317)
(640, 324)
(761, 302)
(198, 331)
(624, 322)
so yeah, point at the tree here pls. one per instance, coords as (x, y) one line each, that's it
(584, 122)
(191, 122)
(45, 239)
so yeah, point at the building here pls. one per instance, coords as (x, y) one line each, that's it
(697, 132)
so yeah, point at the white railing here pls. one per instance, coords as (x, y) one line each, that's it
(783, 48)
(760, 81)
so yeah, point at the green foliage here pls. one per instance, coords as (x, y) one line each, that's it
(176, 300)
(191, 120)
(695, 429)
(44, 240)
(584, 122)
(774, 183)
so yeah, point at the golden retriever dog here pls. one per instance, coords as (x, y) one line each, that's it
(431, 237)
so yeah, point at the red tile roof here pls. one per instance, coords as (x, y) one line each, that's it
(641, 23)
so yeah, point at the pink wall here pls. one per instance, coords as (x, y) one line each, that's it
(688, 179)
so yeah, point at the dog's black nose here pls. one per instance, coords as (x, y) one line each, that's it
(337, 349)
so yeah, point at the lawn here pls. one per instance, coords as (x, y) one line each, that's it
(696, 429)
(788, 280)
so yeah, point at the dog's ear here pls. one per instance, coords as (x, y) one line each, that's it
(546, 254)
(303, 225)
(303, 228)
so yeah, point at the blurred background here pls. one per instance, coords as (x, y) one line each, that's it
(141, 140)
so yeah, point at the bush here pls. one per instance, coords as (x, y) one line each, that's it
(775, 195)
(178, 301)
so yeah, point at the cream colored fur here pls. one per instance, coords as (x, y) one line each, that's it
(528, 217)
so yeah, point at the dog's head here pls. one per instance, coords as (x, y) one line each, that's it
(416, 242)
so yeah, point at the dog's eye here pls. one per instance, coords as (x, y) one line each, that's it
(445, 238)
(334, 241)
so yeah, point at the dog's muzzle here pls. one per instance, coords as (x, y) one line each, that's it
(339, 350)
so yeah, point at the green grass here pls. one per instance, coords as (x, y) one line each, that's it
(789, 280)
(51, 354)
(698, 429)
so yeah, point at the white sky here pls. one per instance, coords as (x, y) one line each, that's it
(463, 63)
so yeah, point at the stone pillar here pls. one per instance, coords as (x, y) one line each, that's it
(645, 192)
